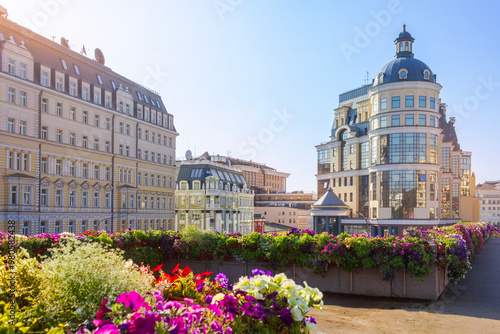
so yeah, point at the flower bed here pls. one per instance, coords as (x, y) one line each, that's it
(450, 247)
(83, 288)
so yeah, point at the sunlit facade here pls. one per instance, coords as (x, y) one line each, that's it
(81, 147)
(393, 157)
(213, 195)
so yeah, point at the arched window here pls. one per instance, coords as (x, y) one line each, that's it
(400, 46)
(426, 74)
(406, 46)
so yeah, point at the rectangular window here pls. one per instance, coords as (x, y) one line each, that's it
(22, 71)
(85, 117)
(96, 144)
(422, 101)
(27, 195)
(108, 174)
(45, 79)
(432, 121)
(12, 95)
(59, 198)
(22, 127)
(127, 129)
(22, 99)
(10, 125)
(107, 201)
(121, 150)
(433, 103)
(421, 120)
(127, 151)
(44, 197)
(108, 123)
(59, 109)
(409, 120)
(97, 120)
(85, 199)
(44, 165)
(72, 88)
(65, 66)
(383, 104)
(72, 198)
(72, 139)
(72, 168)
(121, 107)
(12, 67)
(85, 170)
(108, 146)
(13, 195)
(59, 167)
(45, 103)
(85, 93)
(59, 84)
(395, 102)
(72, 113)
(97, 200)
(409, 101)
(85, 141)
(59, 136)
(383, 121)
(97, 97)
(107, 101)
(44, 132)
(121, 127)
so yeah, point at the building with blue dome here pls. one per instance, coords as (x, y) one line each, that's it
(393, 157)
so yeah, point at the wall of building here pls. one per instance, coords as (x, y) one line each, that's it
(73, 150)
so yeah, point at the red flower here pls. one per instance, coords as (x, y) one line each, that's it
(175, 269)
(186, 271)
(158, 268)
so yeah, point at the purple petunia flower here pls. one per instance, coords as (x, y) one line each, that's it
(222, 280)
(132, 300)
(107, 329)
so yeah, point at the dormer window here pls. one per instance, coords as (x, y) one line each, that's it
(381, 78)
(403, 73)
(427, 74)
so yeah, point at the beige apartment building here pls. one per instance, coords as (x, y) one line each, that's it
(289, 209)
(211, 194)
(261, 178)
(488, 194)
(81, 147)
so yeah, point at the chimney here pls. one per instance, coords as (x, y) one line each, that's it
(3, 12)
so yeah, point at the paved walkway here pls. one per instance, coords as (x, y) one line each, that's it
(470, 306)
(478, 294)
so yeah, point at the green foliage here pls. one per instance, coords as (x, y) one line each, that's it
(78, 276)
(27, 278)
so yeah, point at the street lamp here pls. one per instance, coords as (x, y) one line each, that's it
(100, 221)
(366, 221)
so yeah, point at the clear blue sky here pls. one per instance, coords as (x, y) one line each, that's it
(260, 79)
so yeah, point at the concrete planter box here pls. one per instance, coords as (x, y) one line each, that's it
(360, 282)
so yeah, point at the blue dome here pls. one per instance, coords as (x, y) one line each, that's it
(415, 71)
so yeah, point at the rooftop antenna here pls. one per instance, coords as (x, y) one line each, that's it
(367, 79)
(53, 37)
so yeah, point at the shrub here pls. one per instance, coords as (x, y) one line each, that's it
(27, 275)
(78, 276)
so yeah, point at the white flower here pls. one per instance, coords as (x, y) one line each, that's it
(310, 326)
(217, 297)
(297, 314)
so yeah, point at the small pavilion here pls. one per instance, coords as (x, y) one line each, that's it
(327, 213)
